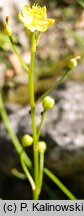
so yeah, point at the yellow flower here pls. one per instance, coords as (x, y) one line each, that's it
(35, 18)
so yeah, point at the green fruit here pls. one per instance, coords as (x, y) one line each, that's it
(48, 103)
(27, 140)
(42, 146)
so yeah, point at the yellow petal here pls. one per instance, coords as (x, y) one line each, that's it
(35, 18)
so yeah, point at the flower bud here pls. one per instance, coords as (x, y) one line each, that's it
(7, 28)
(42, 146)
(73, 62)
(48, 103)
(27, 140)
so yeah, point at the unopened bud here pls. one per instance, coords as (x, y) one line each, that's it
(27, 140)
(73, 62)
(7, 28)
(42, 146)
(48, 103)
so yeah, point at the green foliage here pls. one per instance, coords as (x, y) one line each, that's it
(4, 41)
(81, 3)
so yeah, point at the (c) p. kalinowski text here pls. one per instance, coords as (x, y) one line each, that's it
(50, 207)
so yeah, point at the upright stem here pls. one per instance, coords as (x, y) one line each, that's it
(41, 166)
(33, 116)
(41, 124)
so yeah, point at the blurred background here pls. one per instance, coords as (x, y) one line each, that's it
(64, 40)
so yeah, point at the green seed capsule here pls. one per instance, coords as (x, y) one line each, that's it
(48, 103)
(42, 146)
(27, 140)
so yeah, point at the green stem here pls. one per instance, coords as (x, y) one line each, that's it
(18, 174)
(59, 184)
(12, 135)
(40, 126)
(28, 175)
(58, 82)
(33, 116)
(41, 159)
(41, 167)
(18, 55)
